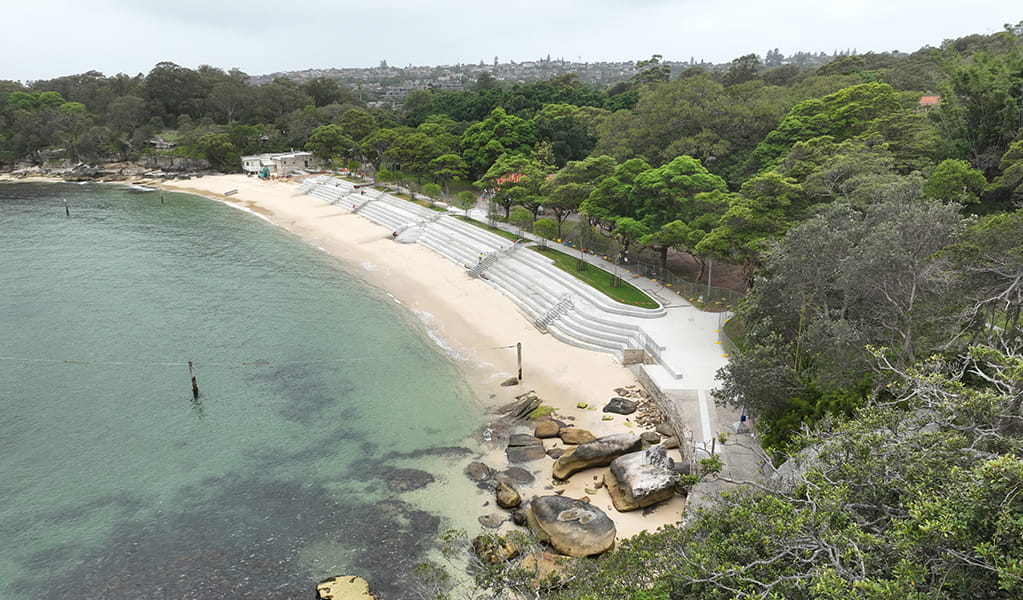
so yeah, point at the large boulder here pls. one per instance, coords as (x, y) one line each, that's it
(574, 435)
(344, 588)
(598, 453)
(641, 479)
(572, 527)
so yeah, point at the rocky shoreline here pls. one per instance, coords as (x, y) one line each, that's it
(156, 168)
(539, 524)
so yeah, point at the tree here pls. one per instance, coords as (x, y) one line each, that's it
(955, 181)
(978, 109)
(324, 91)
(651, 71)
(915, 497)
(226, 99)
(1009, 183)
(546, 229)
(172, 90)
(376, 144)
(614, 197)
(432, 191)
(514, 179)
(357, 124)
(499, 134)
(329, 142)
(842, 115)
(559, 125)
(219, 150)
(741, 70)
(667, 194)
(465, 200)
(522, 218)
(448, 167)
(754, 218)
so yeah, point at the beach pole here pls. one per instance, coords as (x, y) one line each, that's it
(67, 210)
(195, 385)
(518, 348)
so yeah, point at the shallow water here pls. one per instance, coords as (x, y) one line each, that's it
(322, 406)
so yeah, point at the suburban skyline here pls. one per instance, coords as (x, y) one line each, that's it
(61, 37)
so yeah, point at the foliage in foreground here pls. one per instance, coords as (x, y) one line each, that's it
(916, 498)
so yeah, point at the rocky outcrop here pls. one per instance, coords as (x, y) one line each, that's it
(598, 453)
(621, 406)
(344, 588)
(574, 435)
(572, 527)
(641, 479)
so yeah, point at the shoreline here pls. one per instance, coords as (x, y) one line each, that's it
(466, 318)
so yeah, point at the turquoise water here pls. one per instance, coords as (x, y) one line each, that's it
(322, 406)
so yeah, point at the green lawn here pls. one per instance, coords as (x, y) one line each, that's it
(505, 234)
(599, 279)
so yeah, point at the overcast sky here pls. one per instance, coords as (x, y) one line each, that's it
(43, 39)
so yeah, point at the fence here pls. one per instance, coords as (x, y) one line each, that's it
(708, 297)
(727, 345)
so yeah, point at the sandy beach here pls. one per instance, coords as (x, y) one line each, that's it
(469, 318)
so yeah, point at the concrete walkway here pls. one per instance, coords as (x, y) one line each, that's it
(683, 340)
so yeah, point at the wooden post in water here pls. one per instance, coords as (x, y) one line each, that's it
(67, 210)
(195, 385)
(518, 348)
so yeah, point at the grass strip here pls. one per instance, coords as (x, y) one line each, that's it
(599, 279)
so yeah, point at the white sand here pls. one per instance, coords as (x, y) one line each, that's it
(471, 319)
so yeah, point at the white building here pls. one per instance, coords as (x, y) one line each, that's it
(281, 163)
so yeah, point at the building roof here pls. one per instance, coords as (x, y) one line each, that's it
(930, 100)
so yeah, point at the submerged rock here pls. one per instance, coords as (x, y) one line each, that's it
(477, 471)
(406, 480)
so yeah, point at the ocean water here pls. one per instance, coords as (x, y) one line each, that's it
(327, 439)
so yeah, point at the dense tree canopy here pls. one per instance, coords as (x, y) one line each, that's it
(880, 239)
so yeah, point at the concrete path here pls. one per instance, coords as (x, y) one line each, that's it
(685, 340)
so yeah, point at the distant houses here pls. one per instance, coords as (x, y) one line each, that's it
(929, 101)
(281, 163)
